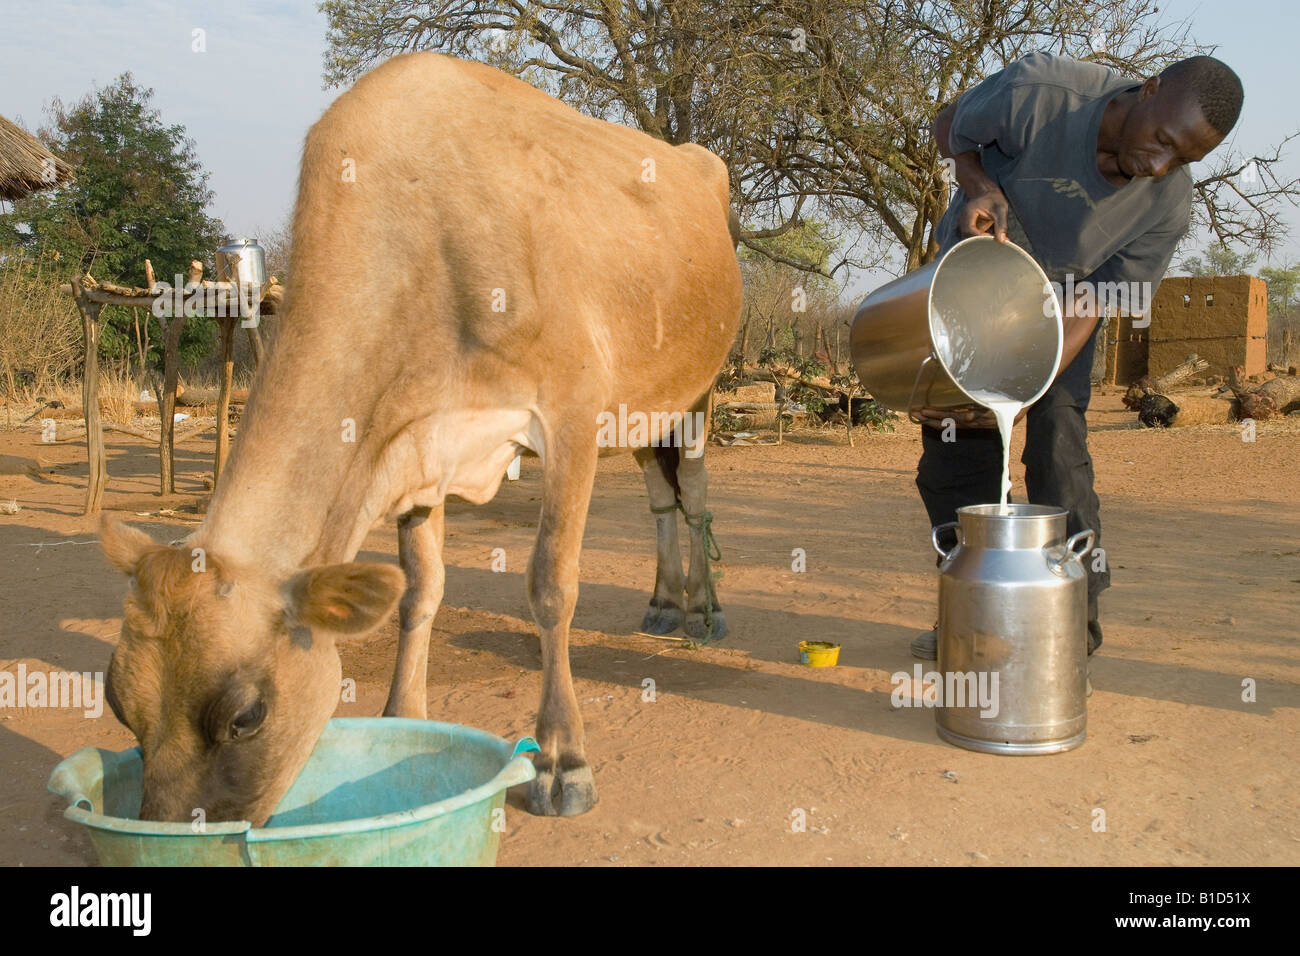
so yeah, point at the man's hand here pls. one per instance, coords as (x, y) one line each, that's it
(985, 213)
(966, 416)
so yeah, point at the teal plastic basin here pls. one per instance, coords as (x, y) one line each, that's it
(376, 791)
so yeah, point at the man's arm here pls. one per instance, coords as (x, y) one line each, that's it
(1144, 260)
(986, 118)
(984, 211)
(1078, 320)
(997, 110)
(986, 205)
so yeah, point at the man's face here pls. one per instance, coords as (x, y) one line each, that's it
(1164, 130)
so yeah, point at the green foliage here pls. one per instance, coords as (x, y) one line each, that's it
(803, 366)
(806, 396)
(1219, 260)
(724, 421)
(805, 243)
(870, 413)
(1283, 286)
(40, 330)
(140, 193)
(799, 368)
(875, 416)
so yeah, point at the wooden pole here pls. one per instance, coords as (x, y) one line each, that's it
(98, 472)
(255, 343)
(171, 372)
(223, 395)
(167, 405)
(848, 424)
(90, 297)
(139, 342)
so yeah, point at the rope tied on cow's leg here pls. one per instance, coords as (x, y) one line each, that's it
(702, 522)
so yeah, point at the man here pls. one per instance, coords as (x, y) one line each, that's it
(1085, 169)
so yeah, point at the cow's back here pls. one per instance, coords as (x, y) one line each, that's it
(538, 235)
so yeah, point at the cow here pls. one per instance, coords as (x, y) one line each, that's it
(478, 271)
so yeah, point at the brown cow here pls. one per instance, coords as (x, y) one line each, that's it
(479, 271)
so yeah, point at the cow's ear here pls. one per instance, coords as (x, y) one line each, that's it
(123, 545)
(344, 598)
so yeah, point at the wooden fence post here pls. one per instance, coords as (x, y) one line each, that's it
(223, 394)
(98, 472)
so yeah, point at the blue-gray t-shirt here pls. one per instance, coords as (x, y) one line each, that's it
(1035, 126)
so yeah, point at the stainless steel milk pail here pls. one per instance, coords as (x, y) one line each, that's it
(981, 318)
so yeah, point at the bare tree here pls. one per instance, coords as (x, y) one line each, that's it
(1241, 200)
(821, 108)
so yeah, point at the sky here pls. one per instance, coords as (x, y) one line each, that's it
(249, 98)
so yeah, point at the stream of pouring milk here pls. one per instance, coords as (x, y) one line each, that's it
(1005, 411)
(955, 341)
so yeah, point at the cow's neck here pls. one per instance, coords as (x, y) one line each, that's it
(300, 487)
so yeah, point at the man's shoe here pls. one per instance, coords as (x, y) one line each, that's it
(926, 647)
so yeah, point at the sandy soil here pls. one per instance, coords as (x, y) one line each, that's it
(1202, 532)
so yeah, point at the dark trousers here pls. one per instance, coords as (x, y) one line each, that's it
(1058, 469)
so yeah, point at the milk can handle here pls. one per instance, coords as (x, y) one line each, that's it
(1088, 537)
(934, 538)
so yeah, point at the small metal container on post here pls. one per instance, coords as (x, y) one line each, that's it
(243, 262)
(1013, 631)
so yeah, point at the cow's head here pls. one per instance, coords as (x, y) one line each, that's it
(226, 678)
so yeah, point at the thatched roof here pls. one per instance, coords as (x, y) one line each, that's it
(26, 165)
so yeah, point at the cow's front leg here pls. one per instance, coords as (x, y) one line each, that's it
(419, 548)
(665, 613)
(564, 783)
(704, 618)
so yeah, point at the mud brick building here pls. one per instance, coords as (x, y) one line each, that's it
(1223, 319)
(1124, 359)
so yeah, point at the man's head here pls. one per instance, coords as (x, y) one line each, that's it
(1180, 116)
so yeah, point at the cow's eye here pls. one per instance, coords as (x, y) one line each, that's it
(235, 713)
(249, 721)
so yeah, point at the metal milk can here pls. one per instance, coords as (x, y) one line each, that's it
(243, 262)
(1013, 631)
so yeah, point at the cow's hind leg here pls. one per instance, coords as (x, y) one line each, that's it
(666, 611)
(704, 618)
(419, 548)
(564, 783)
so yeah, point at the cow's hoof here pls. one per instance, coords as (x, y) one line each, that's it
(697, 630)
(577, 791)
(661, 617)
(539, 794)
(570, 793)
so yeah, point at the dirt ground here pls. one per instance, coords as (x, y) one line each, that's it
(1202, 531)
